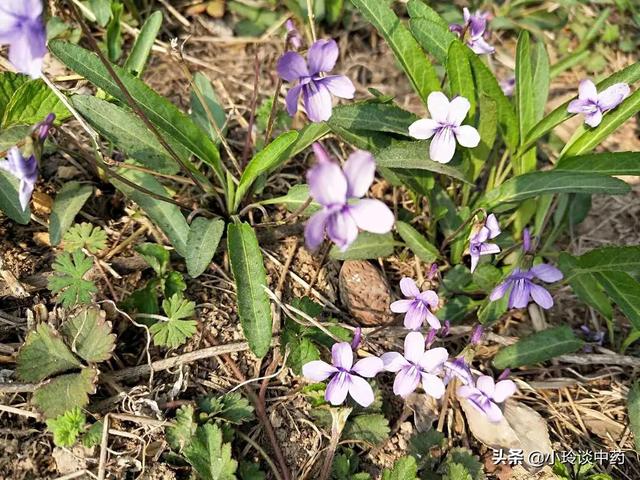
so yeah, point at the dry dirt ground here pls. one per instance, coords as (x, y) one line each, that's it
(583, 404)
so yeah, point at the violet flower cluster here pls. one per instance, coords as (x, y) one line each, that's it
(311, 79)
(594, 105)
(474, 31)
(478, 244)
(21, 28)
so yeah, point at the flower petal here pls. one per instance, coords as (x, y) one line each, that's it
(489, 249)
(486, 385)
(291, 67)
(415, 316)
(413, 347)
(593, 119)
(504, 389)
(438, 106)
(424, 128)
(339, 85)
(432, 320)
(315, 228)
(406, 381)
(613, 96)
(361, 391)
(587, 90)
(520, 294)
(26, 190)
(323, 56)
(342, 229)
(475, 258)
(327, 184)
(480, 46)
(368, 367)
(409, 288)
(467, 136)
(432, 360)
(401, 306)
(342, 355)
(293, 95)
(541, 296)
(458, 109)
(546, 273)
(580, 106)
(372, 216)
(430, 298)
(493, 412)
(394, 361)
(338, 388)
(443, 146)
(500, 290)
(465, 391)
(433, 386)
(27, 50)
(360, 169)
(318, 370)
(317, 102)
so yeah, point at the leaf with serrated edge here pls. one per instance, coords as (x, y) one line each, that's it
(370, 428)
(89, 335)
(202, 243)
(179, 434)
(250, 277)
(65, 392)
(209, 456)
(69, 201)
(44, 354)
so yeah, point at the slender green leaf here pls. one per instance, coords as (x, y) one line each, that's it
(610, 122)
(585, 286)
(630, 75)
(364, 139)
(102, 11)
(533, 184)
(415, 155)
(488, 130)
(418, 9)
(525, 106)
(10, 199)
(69, 201)
(201, 115)
(202, 243)
(31, 103)
(420, 246)
(129, 134)
(624, 290)
(421, 73)
(251, 281)
(606, 163)
(433, 37)
(608, 259)
(137, 59)
(272, 155)
(294, 200)
(114, 32)
(166, 116)
(378, 117)
(460, 76)
(541, 80)
(633, 405)
(367, 245)
(538, 347)
(165, 215)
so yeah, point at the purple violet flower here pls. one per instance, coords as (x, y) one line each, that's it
(478, 245)
(25, 170)
(43, 128)
(527, 246)
(473, 31)
(337, 190)
(293, 35)
(22, 29)
(593, 104)
(458, 368)
(418, 306)
(316, 87)
(476, 335)
(523, 290)
(346, 377)
(416, 365)
(508, 85)
(357, 338)
(486, 395)
(445, 126)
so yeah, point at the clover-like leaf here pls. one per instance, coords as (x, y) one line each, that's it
(85, 235)
(67, 427)
(175, 330)
(68, 279)
(44, 354)
(65, 392)
(209, 456)
(89, 335)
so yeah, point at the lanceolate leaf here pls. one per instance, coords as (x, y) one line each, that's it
(624, 290)
(69, 201)
(421, 73)
(65, 392)
(142, 47)
(202, 243)
(160, 111)
(295, 199)
(608, 259)
(585, 286)
(273, 154)
(488, 129)
(378, 117)
(610, 122)
(533, 184)
(541, 79)
(364, 139)
(367, 245)
(606, 163)
(44, 354)
(525, 101)
(460, 76)
(420, 246)
(404, 155)
(213, 111)
(89, 335)
(538, 347)
(251, 281)
(166, 215)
